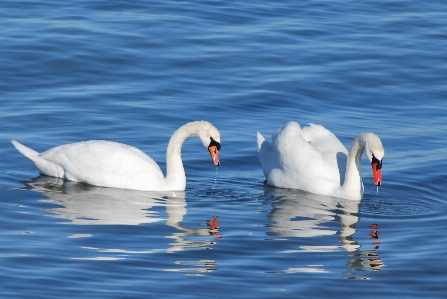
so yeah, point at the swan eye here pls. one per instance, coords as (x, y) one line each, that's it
(214, 143)
(376, 161)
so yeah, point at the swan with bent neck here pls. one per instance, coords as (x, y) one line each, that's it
(313, 159)
(116, 165)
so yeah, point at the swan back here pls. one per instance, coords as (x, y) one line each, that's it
(306, 159)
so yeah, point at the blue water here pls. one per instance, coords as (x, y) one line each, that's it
(135, 71)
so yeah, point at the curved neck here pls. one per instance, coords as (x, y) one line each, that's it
(353, 179)
(175, 173)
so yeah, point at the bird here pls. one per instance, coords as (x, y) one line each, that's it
(116, 165)
(313, 159)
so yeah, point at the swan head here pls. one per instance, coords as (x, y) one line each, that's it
(210, 137)
(214, 148)
(374, 151)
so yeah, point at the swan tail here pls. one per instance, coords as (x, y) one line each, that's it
(261, 139)
(24, 150)
(44, 166)
(264, 154)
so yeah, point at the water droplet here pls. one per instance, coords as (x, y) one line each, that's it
(215, 178)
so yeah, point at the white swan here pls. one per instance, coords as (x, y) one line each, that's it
(314, 160)
(116, 165)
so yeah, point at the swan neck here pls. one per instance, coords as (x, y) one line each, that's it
(353, 179)
(175, 172)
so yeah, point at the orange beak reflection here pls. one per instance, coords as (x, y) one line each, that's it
(377, 174)
(214, 152)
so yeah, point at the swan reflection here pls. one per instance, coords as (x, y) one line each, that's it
(89, 205)
(301, 214)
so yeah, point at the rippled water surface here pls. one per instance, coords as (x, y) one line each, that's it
(135, 72)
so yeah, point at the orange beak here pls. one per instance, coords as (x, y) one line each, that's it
(377, 174)
(214, 152)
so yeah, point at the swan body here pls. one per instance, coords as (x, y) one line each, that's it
(111, 164)
(313, 159)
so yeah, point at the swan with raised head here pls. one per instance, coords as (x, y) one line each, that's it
(116, 165)
(313, 159)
